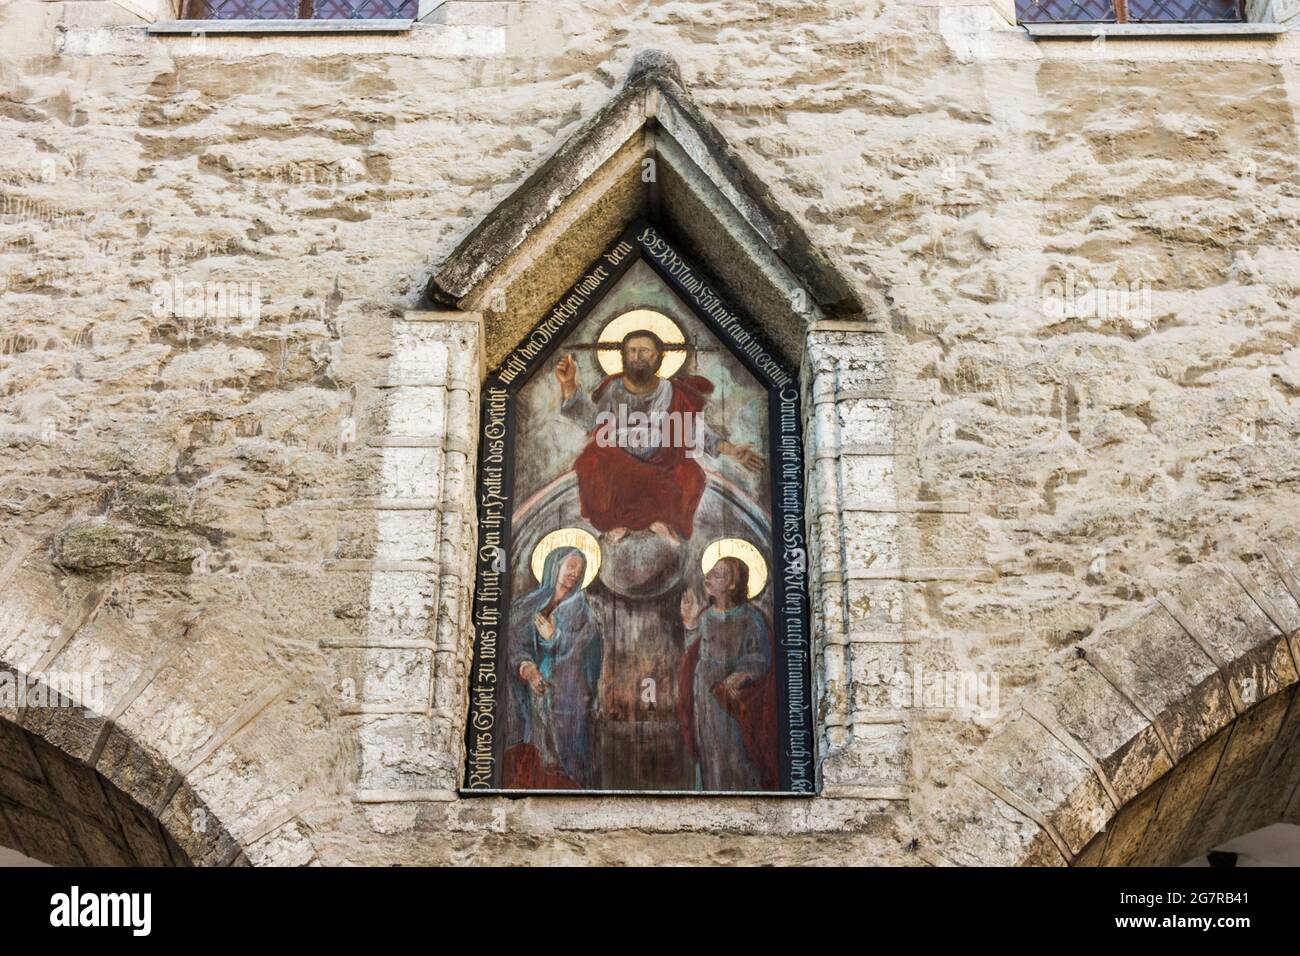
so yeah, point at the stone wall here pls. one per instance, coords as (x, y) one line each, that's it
(195, 506)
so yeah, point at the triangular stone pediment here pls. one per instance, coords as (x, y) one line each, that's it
(649, 153)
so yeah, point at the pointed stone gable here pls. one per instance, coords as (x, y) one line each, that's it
(649, 152)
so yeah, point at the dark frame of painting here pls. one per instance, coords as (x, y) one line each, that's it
(491, 599)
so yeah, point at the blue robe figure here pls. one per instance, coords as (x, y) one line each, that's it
(553, 680)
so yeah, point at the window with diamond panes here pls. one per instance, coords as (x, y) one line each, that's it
(1065, 11)
(1130, 11)
(1184, 11)
(300, 9)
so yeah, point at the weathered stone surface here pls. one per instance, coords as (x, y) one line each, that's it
(1128, 828)
(971, 827)
(204, 471)
(197, 830)
(1246, 639)
(154, 505)
(103, 546)
(1170, 675)
(1178, 804)
(1110, 728)
(1032, 764)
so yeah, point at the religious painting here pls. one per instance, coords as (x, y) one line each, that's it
(640, 608)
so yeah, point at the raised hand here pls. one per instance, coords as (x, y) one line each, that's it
(566, 373)
(690, 608)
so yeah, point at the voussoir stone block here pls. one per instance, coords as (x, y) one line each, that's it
(1184, 789)
(1254, 650)
(1127, 829)
(969, 826)
(72, 730)
(1110, 728)
(1047, 776)
(1275, 588)
(141, 773)
(197, 829)
(1278, 772)
(1154, 659)
(287, 846)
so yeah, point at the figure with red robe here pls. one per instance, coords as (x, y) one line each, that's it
(726, 701)
(639, 470)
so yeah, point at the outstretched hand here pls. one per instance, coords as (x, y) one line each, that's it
(744, 454)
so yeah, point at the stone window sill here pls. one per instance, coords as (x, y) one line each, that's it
(282, 27)
(1150, 31)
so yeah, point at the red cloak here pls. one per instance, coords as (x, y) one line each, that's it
(754, 709)
(618, 490)
(524, 771)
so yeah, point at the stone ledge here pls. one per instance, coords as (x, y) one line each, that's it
(881, 506)
(405, 796)
(283, 27)
(1150, 31)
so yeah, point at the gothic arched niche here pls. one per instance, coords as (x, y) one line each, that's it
(641, 613)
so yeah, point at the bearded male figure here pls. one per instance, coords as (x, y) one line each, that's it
(634, 475)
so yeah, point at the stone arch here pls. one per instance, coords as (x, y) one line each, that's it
(1159, 737)
(61, 810)
(179, 705)
(78, 787)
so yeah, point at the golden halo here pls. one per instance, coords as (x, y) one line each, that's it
(568, 538)
(611, 359)
(738, 548)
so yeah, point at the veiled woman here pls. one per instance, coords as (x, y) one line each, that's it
(555, 658)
